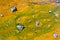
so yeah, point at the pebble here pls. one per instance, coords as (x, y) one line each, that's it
(55, 35)
(57, 1)
(13, 9)
(57, 15)
(37, 23)
(20, 27)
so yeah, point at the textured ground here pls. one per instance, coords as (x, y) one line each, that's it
(27, 14)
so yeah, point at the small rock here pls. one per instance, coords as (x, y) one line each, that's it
(20, 27)
(37, 23)
(57, 1)
(13, 9)
(55, 35)
(57, 15)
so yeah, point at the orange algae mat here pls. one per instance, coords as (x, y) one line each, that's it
(27, 13)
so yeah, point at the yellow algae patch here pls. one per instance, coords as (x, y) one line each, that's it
(32, 25)
(8, 18)
(37, 8)
(22, 19)
(23, 38)
(21, 8)
(47, 20)
(49, 36)
(37, 38)
(57, 30)
(30, 34)
(36, 0)
(12, 4)
(12, 38)
(46, 37)
(2, 32)
(40, 24)
(57, 12)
